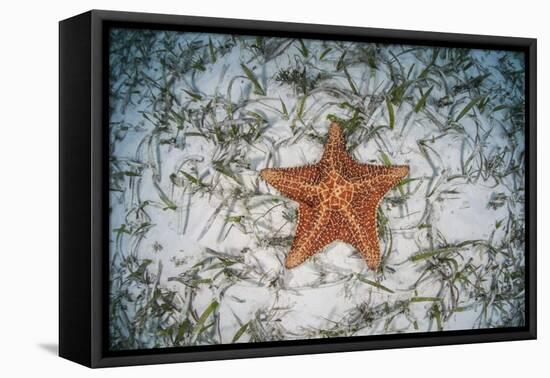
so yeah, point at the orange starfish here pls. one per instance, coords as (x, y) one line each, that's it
(338, 200)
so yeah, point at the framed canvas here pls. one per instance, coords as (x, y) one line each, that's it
(235, 188)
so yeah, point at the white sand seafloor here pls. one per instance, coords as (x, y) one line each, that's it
(198, 240)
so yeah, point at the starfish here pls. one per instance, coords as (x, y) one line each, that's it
(338, 200)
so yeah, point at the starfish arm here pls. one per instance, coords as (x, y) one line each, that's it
(376, 186)
(335, 148)
(357, 172)
(311, 234)
(298, 184)
(336, 157)
(364, 233)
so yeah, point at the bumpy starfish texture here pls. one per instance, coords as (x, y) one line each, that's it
(338, 200)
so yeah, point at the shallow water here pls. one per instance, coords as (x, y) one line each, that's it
(198, 240)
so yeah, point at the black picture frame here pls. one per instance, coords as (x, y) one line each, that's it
(83, 192)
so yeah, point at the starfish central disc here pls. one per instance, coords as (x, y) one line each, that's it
(338, 200)
(336, 192)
